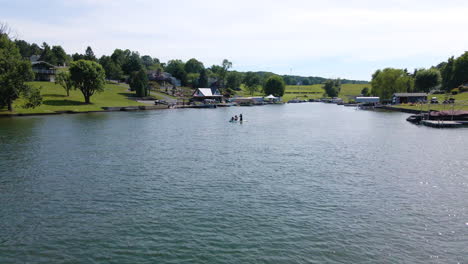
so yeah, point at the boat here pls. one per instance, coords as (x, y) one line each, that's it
(415, 119)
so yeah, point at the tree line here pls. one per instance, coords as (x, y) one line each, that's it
(445, 77)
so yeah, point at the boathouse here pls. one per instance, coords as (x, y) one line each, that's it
(405, 98)
(202, 94)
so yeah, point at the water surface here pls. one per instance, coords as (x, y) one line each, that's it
(298, 183)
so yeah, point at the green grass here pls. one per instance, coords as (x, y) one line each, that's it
(350, 91)
(347, 93)
(55, 99)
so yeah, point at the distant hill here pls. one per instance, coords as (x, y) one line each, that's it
(302, 80)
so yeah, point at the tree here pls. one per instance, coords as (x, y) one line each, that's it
(425, 80)
(88, 77)
(233, 80)
(14, 71)
(113, 70)
(388, 81)
(47, 54)
(365, 91)
(132, 63)
(64, 79)
(251, 82)
(193, 66)
(226, 65)
(77, 57)
(89, 54)
(305, 82)
(139, 82)
(147, 61)
(59, 56)
(192, 80)
(203, 79)
(274, 85)
(177, 69)
(460, 71)
(446, 72)
(331, 88)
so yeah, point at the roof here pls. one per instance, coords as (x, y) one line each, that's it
(43, 62)
(409, 94)
(207, 92)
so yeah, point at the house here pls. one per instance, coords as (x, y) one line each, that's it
(44, 71)
(162, 77)
(202, 94)
(405, 98)
(367, 99)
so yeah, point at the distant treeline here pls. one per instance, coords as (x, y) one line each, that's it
(121, 63)
(450, 76)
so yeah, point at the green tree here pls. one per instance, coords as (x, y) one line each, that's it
(132, 63)
(425, 80)
(89, 54)
(113, 70)
(274, 85)
(388, 81)
(460, 70)
(14, 72)
(365, 91)
(177, 69)
(64, 79)
(33, 97)
(251, 82)
(203, 80)
(331, 88)
(193, 66)
(446, 71)
(147, 61)
(192, 80)
(46, 54)
(306, 82)
(233, 80)
(139, 82)
(59, 55)
(88, 77)
(225, 66)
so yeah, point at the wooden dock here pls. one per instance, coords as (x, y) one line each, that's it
(441, 123)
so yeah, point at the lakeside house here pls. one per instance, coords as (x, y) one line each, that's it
(203, 94)
(44, 71)
(405, 98)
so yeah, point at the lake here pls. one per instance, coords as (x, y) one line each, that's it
(296, 183)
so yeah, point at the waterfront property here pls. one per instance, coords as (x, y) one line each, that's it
(405, 98)
(203, 94)
(44, 71)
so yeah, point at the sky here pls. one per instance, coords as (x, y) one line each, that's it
(334, 38)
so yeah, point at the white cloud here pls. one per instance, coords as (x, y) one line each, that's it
(258, 32)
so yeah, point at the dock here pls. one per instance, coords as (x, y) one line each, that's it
(441, 123)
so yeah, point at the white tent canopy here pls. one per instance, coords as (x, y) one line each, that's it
(271, 97)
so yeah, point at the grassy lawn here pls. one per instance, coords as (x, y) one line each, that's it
(348, 91)
(55, 99)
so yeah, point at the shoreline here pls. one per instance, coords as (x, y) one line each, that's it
(104, 110)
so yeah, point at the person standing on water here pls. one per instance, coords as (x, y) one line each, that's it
(240, 117)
